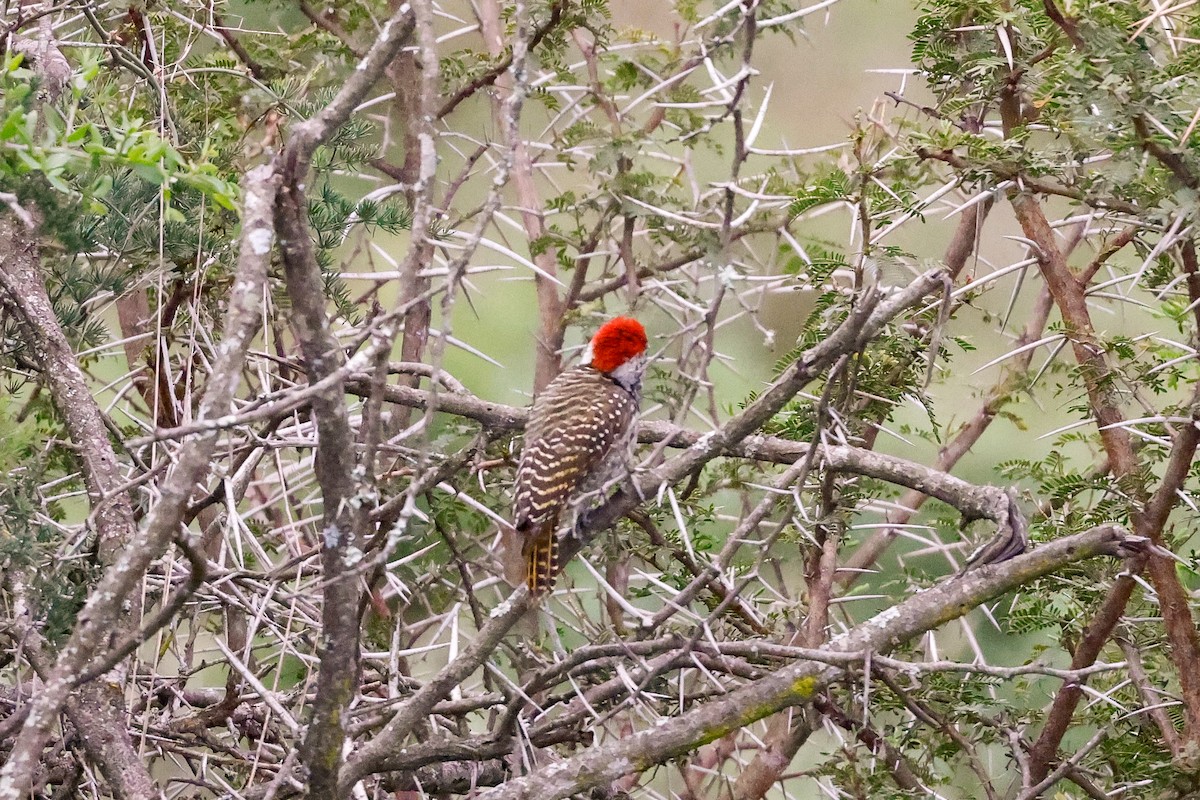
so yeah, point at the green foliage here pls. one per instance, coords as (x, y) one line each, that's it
(829, 188)
(30, 538)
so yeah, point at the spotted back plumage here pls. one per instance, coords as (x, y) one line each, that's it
(578, 423)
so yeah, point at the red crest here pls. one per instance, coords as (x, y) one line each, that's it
(617, 341)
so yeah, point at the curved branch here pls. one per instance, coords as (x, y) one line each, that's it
(799, 683)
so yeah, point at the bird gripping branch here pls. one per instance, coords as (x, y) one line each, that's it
(578, 439)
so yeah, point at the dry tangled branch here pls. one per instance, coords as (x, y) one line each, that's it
(274, 294)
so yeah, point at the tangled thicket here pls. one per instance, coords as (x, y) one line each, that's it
(253, 257)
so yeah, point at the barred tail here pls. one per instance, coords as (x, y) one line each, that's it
(541, 560)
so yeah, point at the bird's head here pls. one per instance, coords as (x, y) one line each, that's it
(619, 349)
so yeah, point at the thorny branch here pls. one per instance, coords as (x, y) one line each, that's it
(346, 523)
(323, 541)
(799, 683)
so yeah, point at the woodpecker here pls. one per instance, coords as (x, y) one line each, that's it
(578, 438)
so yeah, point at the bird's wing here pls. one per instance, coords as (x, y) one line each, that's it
(567, 441)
